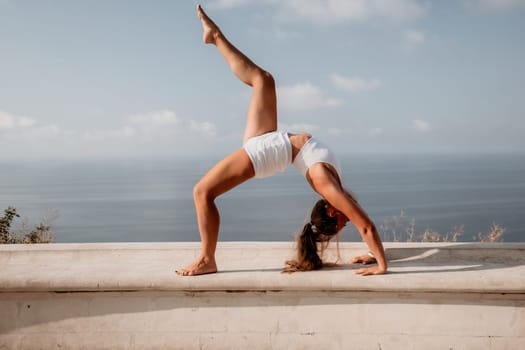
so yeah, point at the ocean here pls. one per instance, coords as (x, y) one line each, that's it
(134, 200)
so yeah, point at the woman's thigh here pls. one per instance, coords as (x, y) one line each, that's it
(226, 174)
(262, 111)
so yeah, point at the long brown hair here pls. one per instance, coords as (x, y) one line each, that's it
(321, 228)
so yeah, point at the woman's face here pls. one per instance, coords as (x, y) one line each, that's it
(341, 221)
(341, 218)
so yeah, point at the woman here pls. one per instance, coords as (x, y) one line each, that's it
(267, 151)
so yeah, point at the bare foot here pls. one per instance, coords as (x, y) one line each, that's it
(210, 30)
(200, 267)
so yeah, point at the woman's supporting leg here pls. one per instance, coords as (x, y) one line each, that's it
(262, 112)
(227, 174)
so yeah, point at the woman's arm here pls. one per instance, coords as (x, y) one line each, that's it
(327, 185)
(353, 211)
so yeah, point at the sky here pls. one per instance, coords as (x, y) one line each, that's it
(81, 79)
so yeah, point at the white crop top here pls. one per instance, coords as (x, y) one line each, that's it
(314, 152)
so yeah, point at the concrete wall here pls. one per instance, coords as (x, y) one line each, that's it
(452, 296)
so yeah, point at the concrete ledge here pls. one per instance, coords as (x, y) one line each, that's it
(127, 296)
(256, 266)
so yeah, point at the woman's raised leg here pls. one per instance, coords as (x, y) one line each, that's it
(262, 111)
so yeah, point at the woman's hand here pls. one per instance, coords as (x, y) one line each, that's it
(375, 270)
(363, 259)
(366, 259)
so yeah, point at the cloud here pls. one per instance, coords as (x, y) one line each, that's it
(339, 131)
(493, 5)
(376, 132)
(355, 84)
(314, 129)
(421, 126)
(159, 126)
(158, 118)
(157, 132)
(228, 4)
(412, 39)
(281, 34)
(11, 121)
(203, 128)
(167, 122)
(303, 97)
(298, 127)
(333, 11)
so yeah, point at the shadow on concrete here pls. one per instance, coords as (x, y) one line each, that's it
(463, 257)
(442, 258)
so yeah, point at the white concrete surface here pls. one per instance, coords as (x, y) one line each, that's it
(127, 296)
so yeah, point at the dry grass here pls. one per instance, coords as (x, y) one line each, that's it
(40, 233)
(495, 234)
(394, 229)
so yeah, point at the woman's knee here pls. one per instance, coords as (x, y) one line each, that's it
(265, 79)
(268, 78)
(202, 193)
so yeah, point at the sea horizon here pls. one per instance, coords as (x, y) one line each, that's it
(150, 198)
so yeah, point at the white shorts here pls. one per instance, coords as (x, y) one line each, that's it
(269, 153)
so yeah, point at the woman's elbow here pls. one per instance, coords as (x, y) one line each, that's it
(368, 229)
